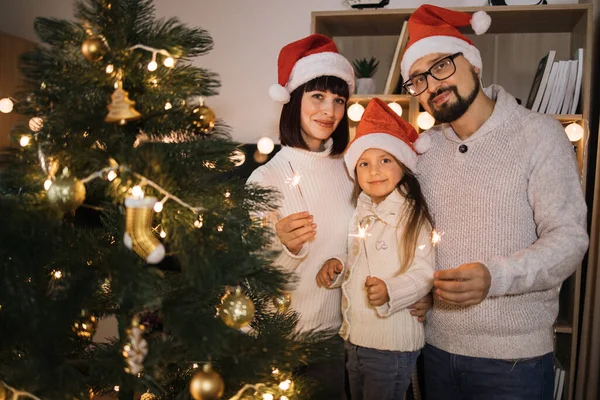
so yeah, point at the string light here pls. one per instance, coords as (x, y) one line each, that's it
(265, 145)
(169, 62)
(6, 105)
(574, 132)
(112, 174)
(116, 388)
(285, 385)
(110, 69)
(267, 396)
(195, 365)
(56, 274)
(396, 107)
(227, 194)
(275, 371)
(168, 106)
(163, 234)
(137, 192)
(220, 228)
(355, 112)
(425, 120)
(47, 184)
(199, 222)
(158, 206)
(24, 141)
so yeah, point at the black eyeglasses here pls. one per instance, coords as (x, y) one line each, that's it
(442, 69)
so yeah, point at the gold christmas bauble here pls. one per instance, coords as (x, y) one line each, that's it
(94, 48)
(148, 396)
(282, 302)
(206, 384)
(205, 119)
(85, 325)
(236, 309)
(66, 193)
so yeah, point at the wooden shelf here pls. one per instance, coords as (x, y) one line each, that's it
(509, 19)
(564, 118)
(562, 327)
(402, 99)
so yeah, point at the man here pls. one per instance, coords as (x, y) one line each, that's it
(503, 188)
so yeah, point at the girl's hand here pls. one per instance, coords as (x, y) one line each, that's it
(377, 292)
(295, 230)
(328, 271)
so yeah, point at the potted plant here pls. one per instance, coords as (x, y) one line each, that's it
(364, 70)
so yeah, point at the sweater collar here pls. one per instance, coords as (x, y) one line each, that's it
(504, 108)
(303, 159)
(388, 211)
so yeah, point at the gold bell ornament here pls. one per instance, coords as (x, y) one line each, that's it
(66, 193)
(236, 309)
(204, 118)
(138, 229)
(206, 384)
(85, 325)
(121, 107)
(94, 48)
(282, 302)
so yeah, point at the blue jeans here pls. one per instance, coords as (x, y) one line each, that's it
(379, 374)
(452, 377)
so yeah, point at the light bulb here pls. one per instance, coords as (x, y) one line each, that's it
(47, 184)
(194, 365)
(36, 124)
(168, 106)
(137, 192)
(355, 112)
(158, 206)
(396, 107)
(163, 234)
(6, 105)
(574, 132)
(267, 396)
(110, 68)
(111, 176)
(265, 145)
(169, 62)
(285, 385)
(152, 65)
(425, 120)
(24, 141)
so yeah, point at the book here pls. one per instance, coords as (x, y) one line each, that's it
(540, 81)
(549, 87)
(394, 77)
(559, 88)
(579, 57)
(572, 77)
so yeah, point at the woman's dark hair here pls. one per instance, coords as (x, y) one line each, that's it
(289, 123)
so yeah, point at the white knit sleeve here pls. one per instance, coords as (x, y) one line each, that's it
(559, 211)
(405, 289)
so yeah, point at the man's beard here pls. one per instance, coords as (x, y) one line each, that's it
(452, 112)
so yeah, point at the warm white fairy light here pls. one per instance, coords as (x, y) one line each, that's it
(425, 120)
(169, 62)
(574, 132)
(294, 180)
(163, 234)
(267, 396)
(199, 222)
(116, 85)
(209, 164)
(227, 194)
(396, 107)
(168, 106)
(285, 385)
(110, 69)
(195, 365)
(6, 105)
(152, 65)
(158, 206)
(220, 228)
(355, 112)
(137, 192)
(116, 388)
(47, 184)
(275, 371)
(36, 124)
(284, 398)
(112, 175)
(265, 145)
(24, 141)
(57, 274)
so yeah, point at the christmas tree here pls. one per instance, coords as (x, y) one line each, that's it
(122, 202)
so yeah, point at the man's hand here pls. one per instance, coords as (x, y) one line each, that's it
(420, 308)
(377, 292)
(465, 285)
(295, 230)
(328, 271)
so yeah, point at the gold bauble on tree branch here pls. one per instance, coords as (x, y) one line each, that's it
(204, 118)
(282, 302)
(236, 309)
(94, 48)
(206, 384)
(66, 193)
(85, 325)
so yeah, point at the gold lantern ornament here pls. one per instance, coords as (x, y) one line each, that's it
(94, 48)
(207, 384)
(85, 325)
(121, 108)
(204, 118)
(236, 309)
(66, 193)
(282, 302)
(138, 229)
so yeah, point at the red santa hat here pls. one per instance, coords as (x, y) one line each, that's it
(381, 128)
(305, 60)
(434, 29)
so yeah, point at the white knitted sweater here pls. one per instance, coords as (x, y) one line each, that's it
(513, 202)
(325, 190)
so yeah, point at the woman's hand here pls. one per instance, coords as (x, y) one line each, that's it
(295, 230)
(328, 271)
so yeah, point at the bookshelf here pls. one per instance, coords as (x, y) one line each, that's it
(511, 50)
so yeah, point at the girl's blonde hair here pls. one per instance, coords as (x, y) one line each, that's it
(415, 213)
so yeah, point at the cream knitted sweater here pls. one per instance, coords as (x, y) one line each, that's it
(389, 326)
(325, 190)
(513, 202)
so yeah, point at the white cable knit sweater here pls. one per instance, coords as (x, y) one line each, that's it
(389, 326)
(327, 194)
(513, 202)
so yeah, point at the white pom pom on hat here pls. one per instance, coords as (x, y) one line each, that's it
(279, 94)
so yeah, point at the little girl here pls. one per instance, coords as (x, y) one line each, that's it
(390, 260)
